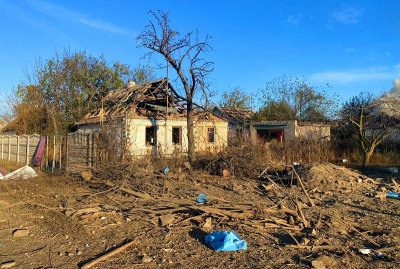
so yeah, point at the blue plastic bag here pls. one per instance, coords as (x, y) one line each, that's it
(202, 198)
(225, 241)
(394, 195)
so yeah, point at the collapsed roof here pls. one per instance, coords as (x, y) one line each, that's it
(151, 99)
(235, 116)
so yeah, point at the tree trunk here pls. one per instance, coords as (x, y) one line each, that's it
(367, 156)
(190, 129)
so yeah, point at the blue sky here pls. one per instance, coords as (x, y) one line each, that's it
(352, 45)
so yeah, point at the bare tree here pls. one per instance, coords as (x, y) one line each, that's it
(373, 119)
(185, 54)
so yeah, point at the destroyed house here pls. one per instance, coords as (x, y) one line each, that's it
(289, 130)
(239, 121)
(150, 119)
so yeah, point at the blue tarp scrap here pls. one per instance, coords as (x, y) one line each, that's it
(225, 241)
(394, 195)
(202, 198)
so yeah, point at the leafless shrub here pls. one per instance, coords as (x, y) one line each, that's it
(307, 151)
(246, 160)
(250, 160)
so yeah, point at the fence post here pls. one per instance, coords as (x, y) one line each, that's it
(27, 150)
(88, 150)
(17, 149)
(92, 149)
(9, 148)
(66, 154)
(53, 164)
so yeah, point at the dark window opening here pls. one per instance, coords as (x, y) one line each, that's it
(176, 135)
(151, 135)
(211, 135)
(271, 135)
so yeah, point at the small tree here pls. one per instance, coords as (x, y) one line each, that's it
(62, 89)
(372, 119)
(235, 98)
(185, 54)
(288, 98)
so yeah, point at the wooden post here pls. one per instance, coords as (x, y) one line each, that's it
(9, 148)
(53, 164)
(88, 150)
(92, 149)
(60, 148)
(2, 148)
(17, 149)
(66, 154)
(27, 150)
(47, 151)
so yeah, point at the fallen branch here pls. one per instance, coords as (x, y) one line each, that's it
(225, 213)
(301, 214)
(144, 196)
(107, 255)
(302, 187)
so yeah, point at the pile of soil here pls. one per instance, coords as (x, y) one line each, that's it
(329, 177)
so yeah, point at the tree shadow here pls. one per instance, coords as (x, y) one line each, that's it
(199, 235)
(370, 210)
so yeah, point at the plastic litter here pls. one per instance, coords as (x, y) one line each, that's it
(365, 251)
(393, 195)
(25, 172)
(202, 198)
(166, 170)
(225, 241)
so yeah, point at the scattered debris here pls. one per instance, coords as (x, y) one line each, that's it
(87, 175)
(207, 224)
(146, 258)
(8, 264)
(202, 198)
(272, 212)
(107, 255)
(20, 232)
(393, 195)
(226, 173)
(166, 220)
(25, 172)
(365, 251)
(166, 170)
(225, 241)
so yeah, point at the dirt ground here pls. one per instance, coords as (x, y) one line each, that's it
(65, 221)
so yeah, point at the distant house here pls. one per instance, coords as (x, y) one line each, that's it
(150, 119)
(239, 121)
(282, 131)
(3, 123)
(7, 128)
